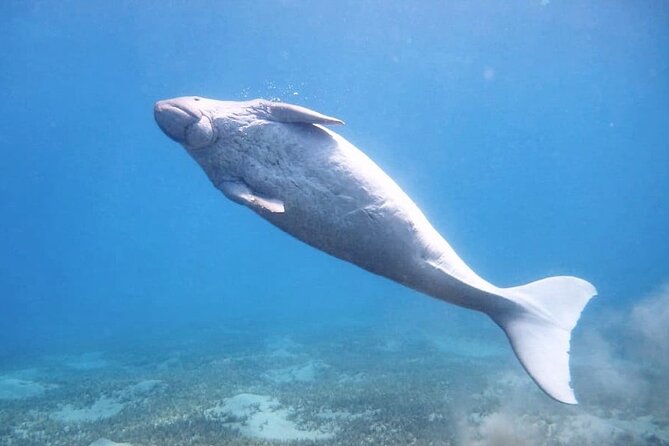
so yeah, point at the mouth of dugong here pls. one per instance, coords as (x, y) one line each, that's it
(183, 123)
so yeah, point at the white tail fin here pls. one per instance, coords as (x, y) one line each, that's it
(539, 328)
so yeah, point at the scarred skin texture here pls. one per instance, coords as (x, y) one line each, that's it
(281, 162)
(333, 196)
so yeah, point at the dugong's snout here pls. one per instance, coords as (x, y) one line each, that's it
(182, 120)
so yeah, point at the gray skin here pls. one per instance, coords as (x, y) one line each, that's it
(278, 160)
(281, 162)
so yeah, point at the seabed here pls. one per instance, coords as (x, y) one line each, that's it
(347, 385)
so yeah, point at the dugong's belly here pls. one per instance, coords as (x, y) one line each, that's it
(362, 234)
(339, 201)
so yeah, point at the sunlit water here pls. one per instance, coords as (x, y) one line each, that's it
(138, 305)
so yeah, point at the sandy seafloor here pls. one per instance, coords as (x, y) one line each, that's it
(335, 383)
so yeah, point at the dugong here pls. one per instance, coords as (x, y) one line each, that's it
(280, 161)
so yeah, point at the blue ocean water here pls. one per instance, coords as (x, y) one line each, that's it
(532, 134)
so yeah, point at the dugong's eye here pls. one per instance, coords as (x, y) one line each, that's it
(200, 134)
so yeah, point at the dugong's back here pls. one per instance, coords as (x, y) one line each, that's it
(279, 161)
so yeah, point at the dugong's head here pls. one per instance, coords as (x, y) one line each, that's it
(187, 120)
(197, 122)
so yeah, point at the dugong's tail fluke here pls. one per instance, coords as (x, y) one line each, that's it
(539, 329)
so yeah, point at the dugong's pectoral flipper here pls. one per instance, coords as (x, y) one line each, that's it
(539, 327)
(240, 193)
